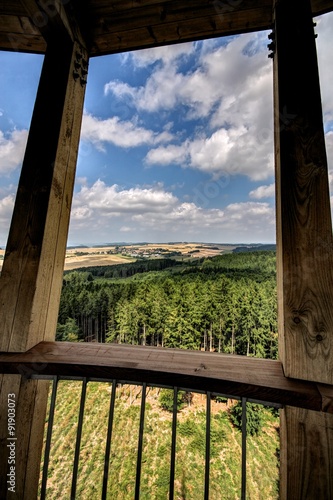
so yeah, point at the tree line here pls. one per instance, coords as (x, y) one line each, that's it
(225, 304)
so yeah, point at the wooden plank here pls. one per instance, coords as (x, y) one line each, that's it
(108, 21)
(104, 7)
(304, 253)
(12, 7)
(167, 33)
(18, 42)
(32, 272)
(15, 24)
(326, 392)
(99, 18)
(174, 11)
(304, 228)
(320, 7)
(254, 378)
(52, 19)
(307, 451)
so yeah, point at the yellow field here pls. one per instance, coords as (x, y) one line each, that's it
(99, 256)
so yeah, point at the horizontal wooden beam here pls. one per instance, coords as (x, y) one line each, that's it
(238, 376)
(124, 25)
(165, 24)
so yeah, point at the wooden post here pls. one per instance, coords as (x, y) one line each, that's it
(304, 250)
(304, 227)
(32, 272)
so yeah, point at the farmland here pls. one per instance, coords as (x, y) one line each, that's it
(124, 253)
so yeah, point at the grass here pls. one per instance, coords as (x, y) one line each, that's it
(225, 464)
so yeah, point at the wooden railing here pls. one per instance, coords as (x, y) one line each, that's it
(240, 376)
(106, 448)
(235, 377)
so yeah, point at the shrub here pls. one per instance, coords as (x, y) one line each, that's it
(255, 415)
(166, 399)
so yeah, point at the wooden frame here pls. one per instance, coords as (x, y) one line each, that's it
(70, 32)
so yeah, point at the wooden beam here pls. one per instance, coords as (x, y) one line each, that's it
(174, 25)
(254, 378)
(53, 19)
(306, 455)
(304, 227)
(22, 42)
(119, 25)
(304, 252)
(31, 278)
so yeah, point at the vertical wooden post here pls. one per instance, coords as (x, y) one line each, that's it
(304, 250)
(304, 227)
(32, 272)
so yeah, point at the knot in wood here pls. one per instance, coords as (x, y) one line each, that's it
(201, 367)
(297, 320)
(319, 338)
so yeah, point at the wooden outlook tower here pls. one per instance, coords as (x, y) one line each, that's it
(68, 33)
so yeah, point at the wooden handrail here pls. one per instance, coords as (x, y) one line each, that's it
(239, 376)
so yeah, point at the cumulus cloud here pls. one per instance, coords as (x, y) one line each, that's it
(125, 134)
(12, 147)
(6, 208)
(6, 211)
(223, 73)
(263, 192)
(112, 200)
(324, 45)
(231, 87)
(152, 211)
(226, 151)
(166, 54)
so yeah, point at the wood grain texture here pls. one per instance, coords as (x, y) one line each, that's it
(174, 32)
(306, 455)
(304, 228)
(228, 374)
(32, 273)
(18, 42)
(115, 26)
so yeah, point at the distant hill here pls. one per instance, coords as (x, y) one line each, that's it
(254, 248)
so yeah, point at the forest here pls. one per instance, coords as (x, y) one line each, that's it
(225, 304)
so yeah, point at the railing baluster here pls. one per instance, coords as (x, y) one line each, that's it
(243, 490)
(108, 440)
(140, 442)
(48, 437)
(109, 435)
(207, 457)
(173, 444)
(78, 438)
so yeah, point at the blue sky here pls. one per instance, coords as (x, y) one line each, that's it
(176, 142)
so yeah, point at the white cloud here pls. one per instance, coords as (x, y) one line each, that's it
(160, 92)
(324, 47)
(231, 86)
(6, 208)
(226, 151)
(111, 200)
(329, 148)
(230, 72)
(166, 54)
(6, 211)
(263, 192)
(125, 134)
(12, 147)
(153, 212)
